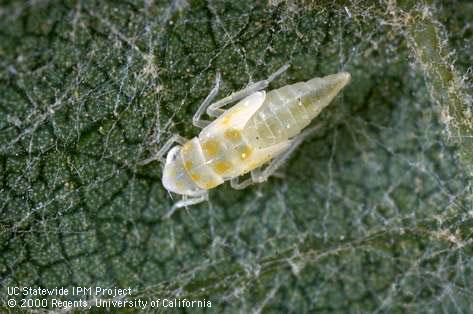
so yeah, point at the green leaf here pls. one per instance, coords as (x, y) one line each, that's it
(372, 214)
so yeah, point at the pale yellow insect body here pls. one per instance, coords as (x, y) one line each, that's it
(257, 129)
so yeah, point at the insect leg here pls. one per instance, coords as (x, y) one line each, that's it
(197, 119)
(164, 149)
(186, 202)
(215, 110)
(259, 175)
(234, 183)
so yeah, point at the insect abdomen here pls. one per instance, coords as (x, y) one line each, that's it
(289, 109)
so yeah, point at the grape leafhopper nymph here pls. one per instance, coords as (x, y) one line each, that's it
(261, 129)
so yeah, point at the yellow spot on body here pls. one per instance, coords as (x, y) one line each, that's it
(195, 177)
(246, 152)
(222, 166)
(188, 165)
(225, 120)
(210, 148)
(232, 134)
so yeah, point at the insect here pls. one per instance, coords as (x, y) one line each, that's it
(262, 128)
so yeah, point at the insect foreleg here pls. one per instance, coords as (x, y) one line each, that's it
(186, 202)
(197, 119)
(215, 110)
(164, 149)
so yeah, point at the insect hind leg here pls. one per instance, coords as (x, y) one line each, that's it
(259, 175)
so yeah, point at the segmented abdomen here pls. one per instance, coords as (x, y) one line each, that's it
(289, 109)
